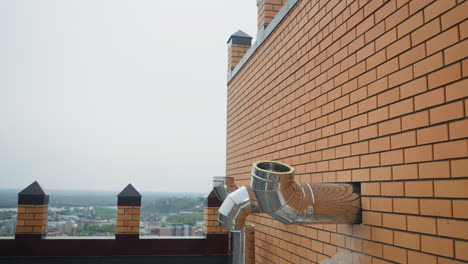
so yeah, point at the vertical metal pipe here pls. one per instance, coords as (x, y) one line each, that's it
(243, 245)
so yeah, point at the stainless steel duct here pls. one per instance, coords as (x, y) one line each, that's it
(223, 186)
(243, 245)
(274, 191)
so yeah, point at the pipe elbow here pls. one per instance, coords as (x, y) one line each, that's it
(236, 207)
(223, 186)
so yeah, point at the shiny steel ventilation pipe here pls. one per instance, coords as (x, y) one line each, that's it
(243, 245)
(274, 191)
(223, 186)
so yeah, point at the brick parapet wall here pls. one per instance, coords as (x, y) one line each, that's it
(210, 222)
(362, 91)
(32, 219)
(267, 10)
(128, 220)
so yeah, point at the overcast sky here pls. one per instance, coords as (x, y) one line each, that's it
(96, 94)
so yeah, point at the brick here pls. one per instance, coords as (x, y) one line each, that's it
(367, 104)
(419, 189)
(446, 112)
(451, 189)
(416, 120)
(368, 132)
(398, 47)
(452, 228)
(379, 144)
(413, 55)
(461, 250)
(385, 11)
(406, 206)
(420, 224)
(350, 163)
(414, 87)
(417, 258)
(343, 176)
(450, 150)
(381, 174)
(458, 129)
(425, 32)
(433, 134)
(447, 261)
(415, 6)
(410, 24)
(437, 207)
(459, 168)
(429, 64)
(444, 76)
(401, 108)
(460, 208)
(382, 235)
(381, 204)
(418, 154)
(397, 17)
(378, 115)
(392, 189)
(371, 248)
(370, 188)
(358, 121)
(372, 218)
(455, 16)
(456, 52)
(389, 127)
(385, 39)
(370, 160)
(395, 254)
(457, 90)
(437, 246)
(377, 86)
(434, 170)
(407, 240)
(463, 29)
(361, 175)
(394, 221)
(429, 99)
(437, 8)
(391, 157)
(387, 68)
(401, 76)
(388, 97)
(442, 41)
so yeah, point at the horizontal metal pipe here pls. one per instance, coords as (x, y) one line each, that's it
(274, 191)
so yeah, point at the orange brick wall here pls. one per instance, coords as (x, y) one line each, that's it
(31, 219)
(362, 91)
(128, 220)
(210, 222)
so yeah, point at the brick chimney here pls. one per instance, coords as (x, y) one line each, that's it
(211, 225)
(128, 213)
(267, 10)
(238, 44)
(33, 206)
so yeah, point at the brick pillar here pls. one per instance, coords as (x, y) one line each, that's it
(267, 10)
(32, 212)
(211, 225)
(238, 44)
(128, 213)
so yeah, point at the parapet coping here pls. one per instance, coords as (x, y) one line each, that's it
(262, 35)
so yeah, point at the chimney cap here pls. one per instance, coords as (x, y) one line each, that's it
(129, 196)
(240, 38)
(33, 189)
(129, 191)
(33, 195)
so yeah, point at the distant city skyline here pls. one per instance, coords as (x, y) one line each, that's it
(96, 94)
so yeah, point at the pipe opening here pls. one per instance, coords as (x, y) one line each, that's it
(272, 166)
